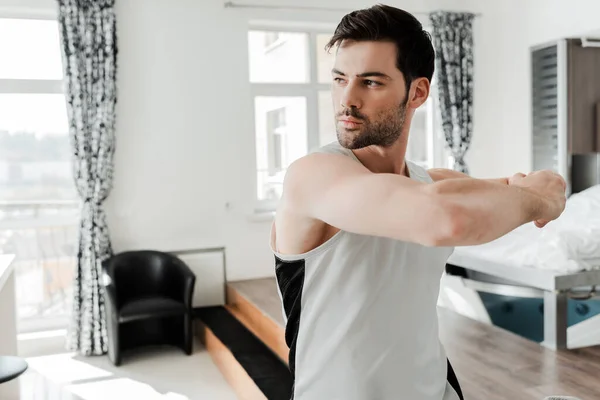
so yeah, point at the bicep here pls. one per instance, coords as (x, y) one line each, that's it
(372, 204)
(346, 195)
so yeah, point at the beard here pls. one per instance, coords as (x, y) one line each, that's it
(383, 130)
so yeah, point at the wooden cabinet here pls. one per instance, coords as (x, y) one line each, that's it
(583, 96)
(565, 103)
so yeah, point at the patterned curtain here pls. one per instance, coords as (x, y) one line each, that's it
(89, 50)
(453, 41)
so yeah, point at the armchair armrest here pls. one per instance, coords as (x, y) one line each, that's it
(107, 282)
(182, 280)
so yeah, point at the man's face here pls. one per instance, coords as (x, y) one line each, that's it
(369, 94)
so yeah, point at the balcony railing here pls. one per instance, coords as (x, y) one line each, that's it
(43, 238)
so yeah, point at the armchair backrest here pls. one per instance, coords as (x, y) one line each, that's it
(138, 273)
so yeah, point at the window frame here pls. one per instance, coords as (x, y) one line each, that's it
(309, 90)
(437, 154)
(30, 86)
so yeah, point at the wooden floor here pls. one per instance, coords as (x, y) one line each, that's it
(491, 363)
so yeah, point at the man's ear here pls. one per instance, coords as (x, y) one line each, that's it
(419, 92)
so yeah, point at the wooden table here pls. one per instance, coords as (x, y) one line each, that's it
(11, 367)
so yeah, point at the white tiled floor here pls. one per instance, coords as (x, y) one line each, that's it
(151, 373)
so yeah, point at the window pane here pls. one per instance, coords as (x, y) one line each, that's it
(281, 138)
(278, 57)
(327, 131)
(34, 148)
(325, 59)
(38, 207)
(30, 49)
(418, 139)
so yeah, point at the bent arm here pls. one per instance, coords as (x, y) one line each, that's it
(452, 212)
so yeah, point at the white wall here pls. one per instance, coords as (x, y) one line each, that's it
(503, 38)
(499, 147)
(185, 153)
(555, 19)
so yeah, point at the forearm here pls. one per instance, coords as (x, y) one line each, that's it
(439, 174)
(503, 181)
(484, 210)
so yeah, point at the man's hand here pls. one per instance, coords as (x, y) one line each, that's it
(550, 187)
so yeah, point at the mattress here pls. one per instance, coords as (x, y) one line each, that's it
(571, 243)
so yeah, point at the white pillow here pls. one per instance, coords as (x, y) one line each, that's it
(581, 208)
(575, 235)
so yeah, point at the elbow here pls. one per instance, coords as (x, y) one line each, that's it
(454, 232)
(453, 225)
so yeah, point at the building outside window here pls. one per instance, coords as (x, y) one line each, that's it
(38, 199)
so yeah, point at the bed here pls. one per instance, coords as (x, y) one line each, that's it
(556, 263)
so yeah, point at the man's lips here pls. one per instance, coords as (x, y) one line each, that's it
(352, 120)
(349, 123)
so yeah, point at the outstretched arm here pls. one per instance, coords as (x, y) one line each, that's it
(451, 212)
(439, 174)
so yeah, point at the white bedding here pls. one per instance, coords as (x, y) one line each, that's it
(571, 243)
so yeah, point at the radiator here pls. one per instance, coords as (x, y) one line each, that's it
(209, 267)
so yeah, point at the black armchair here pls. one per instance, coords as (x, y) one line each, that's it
(148, 298)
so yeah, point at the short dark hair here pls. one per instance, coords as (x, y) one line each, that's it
(416, 56)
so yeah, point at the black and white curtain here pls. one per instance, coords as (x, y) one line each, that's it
(89, 49)
(453, 41)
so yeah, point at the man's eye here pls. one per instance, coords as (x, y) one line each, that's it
(369, 82)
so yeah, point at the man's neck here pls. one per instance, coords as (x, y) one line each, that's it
(389, 160)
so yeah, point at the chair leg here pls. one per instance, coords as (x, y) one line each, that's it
(188, 334)
(117, 358)
(114, 351)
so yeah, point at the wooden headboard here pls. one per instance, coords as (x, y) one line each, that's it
(585, 171)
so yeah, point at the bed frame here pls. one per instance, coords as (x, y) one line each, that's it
(553, 286)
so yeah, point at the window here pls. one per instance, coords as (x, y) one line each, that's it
(290, 77)
(426, 143)
(38, 200)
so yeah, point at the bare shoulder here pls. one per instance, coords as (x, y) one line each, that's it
(310, 176)
(322, 166)
(306, 183)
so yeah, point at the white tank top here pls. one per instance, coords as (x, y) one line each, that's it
(361, 316)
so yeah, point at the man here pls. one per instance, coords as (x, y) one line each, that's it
(361, 236)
